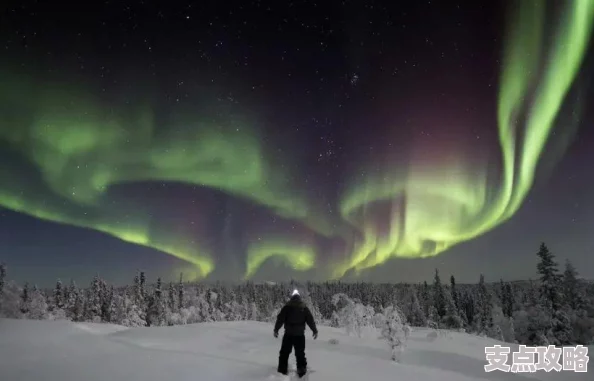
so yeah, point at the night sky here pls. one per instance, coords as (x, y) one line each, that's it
(370, 140)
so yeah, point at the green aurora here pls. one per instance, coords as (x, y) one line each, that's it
(81, 147)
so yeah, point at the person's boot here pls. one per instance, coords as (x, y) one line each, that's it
(301, 372)
(283, 372)
(283, 367)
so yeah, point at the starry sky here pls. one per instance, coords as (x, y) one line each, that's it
(269, 140)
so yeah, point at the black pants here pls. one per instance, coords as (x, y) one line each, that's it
(290, 342)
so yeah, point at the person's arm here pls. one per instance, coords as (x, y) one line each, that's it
(280, 319)
(310, 321)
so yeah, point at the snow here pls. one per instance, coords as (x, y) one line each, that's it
(226, 351)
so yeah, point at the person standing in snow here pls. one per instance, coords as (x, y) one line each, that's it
(294, 315)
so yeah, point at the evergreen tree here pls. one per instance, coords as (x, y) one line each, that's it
(158, 289)
(180, 292)
(416, 316)
(171, 301)
(571, 288)
(70, 299)
(155, 315)
(136, 285)
(561, 331)
(142, 286)
(469, 308)
(501, 291)
(454, 291)
(79, 307)
(59, 295)
(140, 296)
(532, 295)
(485, 307)
(512, 330)
(65, 296)
(107, 305)
(114, 313)
(2, 281)
(439, 296)
(498, 333)
(425, 298)
(132, 315)
(25, 299)
(452, 317)
(433, 318)
(508, 300)
(93, 305)
(37, 308)
(550, 280)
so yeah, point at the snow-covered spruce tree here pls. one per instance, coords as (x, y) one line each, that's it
(142, 287)
(582, 324)
(235, 311)
(561, 329)
(499, 290)
(468, 308)
(11, 301)
(416, 316)
(197, 309)
(213, 313)
(155, 315)
(93, 303)
(512, 331)
(172, 304)
(552, 295)
(59, 301)
(37, 308)
(65, 296)
(25, 299)
(425, 298)
(550, 279)
(497, 333)
(79, 306)
(394, 331)
(335, 320)
(485, 308)
(313, 307)
(253, 312)
(56, 303)
(572, 288)
(452, 318)
(131, 315)
(2, 282)
(532, 294)
(503, 326)
(114, 309)
(454, 292)
(576, 306)
(107, 295)
(433, 318)
(354, 317)
(532, 320)
(532, 324)
(69, 299)
(180, 292)
(439, 301)
(508, 300)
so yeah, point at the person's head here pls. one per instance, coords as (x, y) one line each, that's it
(295, 295)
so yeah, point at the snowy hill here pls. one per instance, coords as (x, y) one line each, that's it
(226, 351)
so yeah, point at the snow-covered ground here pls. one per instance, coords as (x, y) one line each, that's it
(228, 351)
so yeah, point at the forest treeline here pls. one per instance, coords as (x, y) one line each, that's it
(557, 308)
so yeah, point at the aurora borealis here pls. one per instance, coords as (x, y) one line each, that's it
(219, 176)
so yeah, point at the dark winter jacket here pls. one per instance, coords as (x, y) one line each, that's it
(294, 315)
